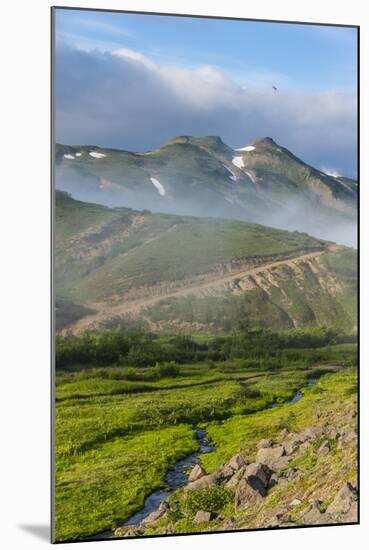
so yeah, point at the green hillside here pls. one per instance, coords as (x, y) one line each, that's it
(195, 273)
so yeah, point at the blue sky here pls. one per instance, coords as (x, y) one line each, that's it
(313, 67)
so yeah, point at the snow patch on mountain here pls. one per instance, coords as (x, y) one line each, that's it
(70, 157)
(331, 172)
(158, 186)
(247, 148)
(96, 155)
(238, 161)
(78, 154)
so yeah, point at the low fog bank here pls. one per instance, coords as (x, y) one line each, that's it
(294, 215)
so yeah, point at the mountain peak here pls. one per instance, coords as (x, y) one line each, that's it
(208, 140)
(265, 142)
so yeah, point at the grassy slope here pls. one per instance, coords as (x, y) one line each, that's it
(162, 248)
(94, 262)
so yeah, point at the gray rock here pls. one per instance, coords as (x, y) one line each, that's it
(281, 463)
(237, 462)
(257, 472)
(203, 516)
(265, 443)
(235, 479)
(246, 495)
(344, 500)
(291, 445)
(153, 518)
(196, 473)
(313, 515)
(295, 502)
(270, 455)
(226, 472)
(202, 483)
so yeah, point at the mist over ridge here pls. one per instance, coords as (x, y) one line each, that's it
(261, 182)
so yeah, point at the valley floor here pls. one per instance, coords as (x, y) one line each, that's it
(118, 438)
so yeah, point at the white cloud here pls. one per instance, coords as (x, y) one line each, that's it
(127, 100)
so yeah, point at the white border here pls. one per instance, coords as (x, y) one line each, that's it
(24, 219)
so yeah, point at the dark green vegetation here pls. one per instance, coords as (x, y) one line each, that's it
(204, 177)
(120, 428)
(185, 274)
(141, 349)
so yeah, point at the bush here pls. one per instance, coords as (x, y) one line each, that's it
(211, 499)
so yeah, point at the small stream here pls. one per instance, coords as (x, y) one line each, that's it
(178, 476)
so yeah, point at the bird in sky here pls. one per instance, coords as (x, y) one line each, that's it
(275, 88)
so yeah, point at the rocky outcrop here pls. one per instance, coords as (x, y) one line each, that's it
(345, 503)
(196, 473)
(287, 460)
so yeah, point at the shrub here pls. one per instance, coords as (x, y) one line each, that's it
(211, 499)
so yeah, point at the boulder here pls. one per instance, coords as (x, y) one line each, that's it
(295, 502)
(153, 518)
(258, 472)
(291, 445)
(196, 473)
(235, 479)
(265, 443)
(203, 516)
(225, 473)
(202, 483)
(247, 495)
(237, 462)
(313, 515)
(271, 457)
(345, 499)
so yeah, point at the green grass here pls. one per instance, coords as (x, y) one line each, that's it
(113, 479)
(115, 444)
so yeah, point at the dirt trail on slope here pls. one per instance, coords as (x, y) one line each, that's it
(133, 307)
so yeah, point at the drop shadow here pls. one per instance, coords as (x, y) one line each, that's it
(39, 531)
